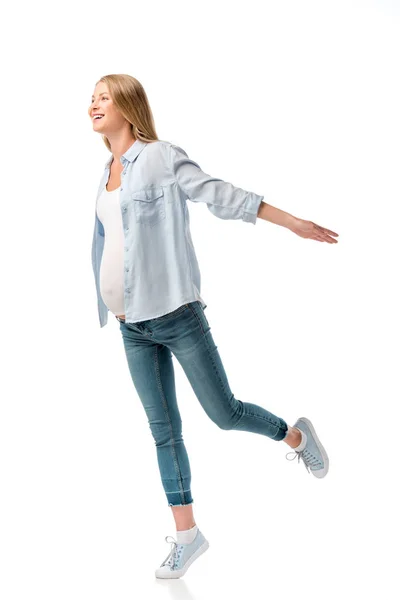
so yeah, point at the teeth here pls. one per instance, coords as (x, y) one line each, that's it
(98, 116)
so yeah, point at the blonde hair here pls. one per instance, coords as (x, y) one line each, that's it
(130, 99)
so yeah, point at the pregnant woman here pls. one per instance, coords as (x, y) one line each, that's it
(146, 273)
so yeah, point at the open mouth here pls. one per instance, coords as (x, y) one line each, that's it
(98, 117)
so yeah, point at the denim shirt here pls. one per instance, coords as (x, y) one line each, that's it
(161, 271)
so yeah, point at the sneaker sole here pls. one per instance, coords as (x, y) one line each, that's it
(319, 473)
(178, 573)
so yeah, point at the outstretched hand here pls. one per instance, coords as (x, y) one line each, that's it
(308, 229)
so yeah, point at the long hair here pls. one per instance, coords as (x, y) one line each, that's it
(130, 99)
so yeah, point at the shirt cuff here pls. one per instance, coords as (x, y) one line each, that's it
(251, 207)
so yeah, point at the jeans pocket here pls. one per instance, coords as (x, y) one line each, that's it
(199, 314)
(204, 314)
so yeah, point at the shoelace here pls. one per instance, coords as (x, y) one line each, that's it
(174, 554)
(308, 458)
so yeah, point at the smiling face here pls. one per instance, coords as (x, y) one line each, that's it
(102, 104)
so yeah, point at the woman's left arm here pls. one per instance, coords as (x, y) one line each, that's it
(305, 229)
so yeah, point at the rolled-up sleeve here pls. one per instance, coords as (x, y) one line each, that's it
(223, 199)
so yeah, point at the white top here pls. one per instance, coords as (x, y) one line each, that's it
(112, 263)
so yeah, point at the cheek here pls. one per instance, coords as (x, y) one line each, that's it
(116, 117)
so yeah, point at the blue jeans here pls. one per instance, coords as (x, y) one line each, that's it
(148, 346)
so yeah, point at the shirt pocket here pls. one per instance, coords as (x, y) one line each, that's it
(149, 205)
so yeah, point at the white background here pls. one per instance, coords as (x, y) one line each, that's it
(298, 101)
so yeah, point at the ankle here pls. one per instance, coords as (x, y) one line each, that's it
(293, 437)
(181, 527)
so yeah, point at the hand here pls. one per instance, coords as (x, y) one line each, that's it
(308, 229)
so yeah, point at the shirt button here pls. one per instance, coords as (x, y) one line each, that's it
(127, 269)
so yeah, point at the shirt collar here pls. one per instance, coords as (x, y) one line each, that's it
(131, 153)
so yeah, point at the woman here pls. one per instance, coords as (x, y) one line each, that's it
(149, 278)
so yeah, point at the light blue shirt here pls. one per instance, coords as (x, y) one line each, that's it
(161, 271)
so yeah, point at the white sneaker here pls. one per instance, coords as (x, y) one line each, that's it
(310, 449)
(181, 557)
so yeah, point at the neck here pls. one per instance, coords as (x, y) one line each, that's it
(120, 145)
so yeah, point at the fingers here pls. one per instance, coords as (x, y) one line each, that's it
(322, 234)
(324, 238)
(325, 230)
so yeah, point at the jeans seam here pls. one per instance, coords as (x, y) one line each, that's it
(265, 419)
(222, 385)
(198, 319)
(165, 405)
(210, 354)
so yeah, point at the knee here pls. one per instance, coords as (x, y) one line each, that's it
(224, 423)
(231, 414)
(165, 436)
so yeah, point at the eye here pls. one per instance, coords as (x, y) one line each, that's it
(103, 97)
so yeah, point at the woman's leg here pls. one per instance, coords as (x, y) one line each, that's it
(183, 516)
(187, 334)
(192, 343)
(293, 437)
(152, 372)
